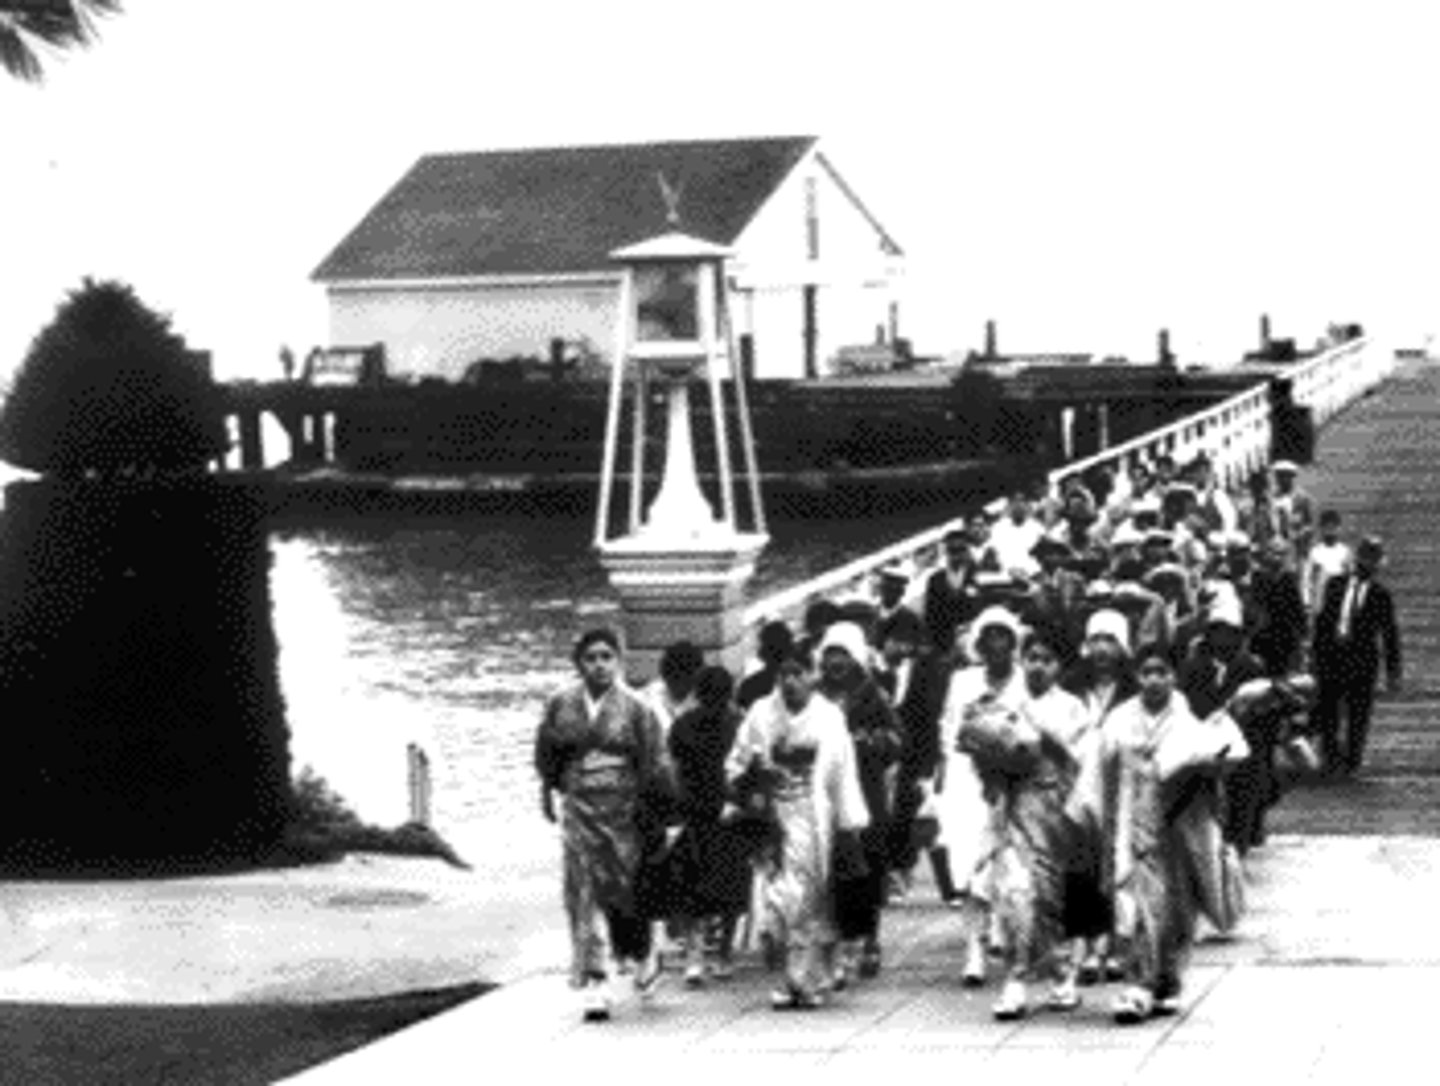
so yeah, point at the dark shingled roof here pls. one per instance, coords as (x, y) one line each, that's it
(563, 209)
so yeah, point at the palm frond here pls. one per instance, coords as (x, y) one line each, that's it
(16, 56)
(57, 24)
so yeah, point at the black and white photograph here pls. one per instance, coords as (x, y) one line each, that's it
(639, 540)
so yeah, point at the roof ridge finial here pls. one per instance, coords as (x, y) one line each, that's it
(671, 195)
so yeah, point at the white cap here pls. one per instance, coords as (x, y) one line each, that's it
(1285, 466)
(901, 569)
(1112, 624)
(1225, 606)
(849, 637)
(994, 615)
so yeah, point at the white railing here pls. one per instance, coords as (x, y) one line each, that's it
(1235, 434)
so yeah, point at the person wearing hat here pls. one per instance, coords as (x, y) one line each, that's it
(1103, 678)
(893, 584)
(846, 679)
(1172, 583)
(1294, 508)
(1218, 667)
(992, 685)
(950, 592)
(1055, 593)
(795, 743)
(1220, 662)
(1355, 633)
(1158, 548)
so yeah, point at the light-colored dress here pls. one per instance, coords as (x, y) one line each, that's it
(965, 815)
(815, 788)
(1149, 788)
(1034, 836)
(601, 764)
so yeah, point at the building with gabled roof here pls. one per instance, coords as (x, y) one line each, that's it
(489, 255)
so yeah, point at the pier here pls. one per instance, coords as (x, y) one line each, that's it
(1328, 973)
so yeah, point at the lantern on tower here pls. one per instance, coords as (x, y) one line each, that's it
(681, 563)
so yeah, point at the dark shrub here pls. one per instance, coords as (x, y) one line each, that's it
(135, 605)
(108, 388)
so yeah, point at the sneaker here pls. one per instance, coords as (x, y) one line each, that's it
(1167, 997)
(794, 998)
(1091, 970)
(1114, 969)
(597, 1001)
(1064, 996)
(1133, 1006)
(1013, 1002)
(694, 975)
(954, 901)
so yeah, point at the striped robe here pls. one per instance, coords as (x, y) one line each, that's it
(1033, 836)
(602, 768)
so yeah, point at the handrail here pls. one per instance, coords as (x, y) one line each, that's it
(1235, 434)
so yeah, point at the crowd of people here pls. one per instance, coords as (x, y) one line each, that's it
(1078, 719)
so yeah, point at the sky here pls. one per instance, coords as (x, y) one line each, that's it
(1084, 173)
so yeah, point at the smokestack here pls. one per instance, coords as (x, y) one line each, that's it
(990, 339)
(1165, 357)
(1264, 331)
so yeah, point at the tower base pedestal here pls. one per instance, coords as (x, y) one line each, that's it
(682, 588)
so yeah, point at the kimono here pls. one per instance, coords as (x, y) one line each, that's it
(713, 876)
(607, 767)
(809, 759)
(967, 830)
(875, 733)
(1033, 838)
(1088, 912)
(1150, 784)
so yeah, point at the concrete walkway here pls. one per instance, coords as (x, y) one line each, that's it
(1332, 974)
(1331, 977)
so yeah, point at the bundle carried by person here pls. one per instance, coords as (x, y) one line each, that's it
(1283, 705)
(1002, 740)
(1217, 743)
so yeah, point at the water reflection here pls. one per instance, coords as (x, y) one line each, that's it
(450, 634)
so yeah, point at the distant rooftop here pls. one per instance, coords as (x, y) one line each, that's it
(560, 209)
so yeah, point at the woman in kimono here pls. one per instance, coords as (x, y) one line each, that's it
(713, 879)
(1152, 779)
(846, 679)
(1103, 679)
(1038, 768)
(962, 799)
(601, 748)
(797, 744)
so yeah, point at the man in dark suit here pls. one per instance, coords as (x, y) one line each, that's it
(1355, 629)
(951, 596)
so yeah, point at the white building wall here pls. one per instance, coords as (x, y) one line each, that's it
(431, 331)
(856, 279)
(439, 329)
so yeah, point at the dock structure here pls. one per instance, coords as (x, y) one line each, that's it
(1331, 966)
(1238, 435)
